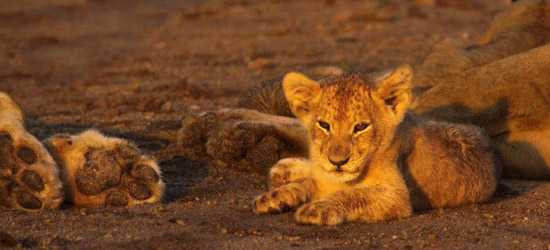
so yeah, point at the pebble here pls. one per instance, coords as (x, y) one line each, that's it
(108, 236)
(328, 71)
(180, 222)
(261, 63)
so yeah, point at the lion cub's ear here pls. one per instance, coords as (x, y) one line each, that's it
(394, 88)
(302, 94)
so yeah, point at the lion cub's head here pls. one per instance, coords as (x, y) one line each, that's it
(350, 118)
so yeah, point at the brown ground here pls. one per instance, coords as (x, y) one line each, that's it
(134, 68)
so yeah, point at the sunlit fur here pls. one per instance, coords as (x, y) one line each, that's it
(397, 163)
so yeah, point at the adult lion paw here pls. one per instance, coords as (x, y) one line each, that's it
(106, 171)
(320, 213)
(246, 145)
(29, 177)
(238, 138)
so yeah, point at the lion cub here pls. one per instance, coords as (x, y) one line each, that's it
(370, 159)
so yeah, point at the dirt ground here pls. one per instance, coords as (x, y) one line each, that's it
(134, 68)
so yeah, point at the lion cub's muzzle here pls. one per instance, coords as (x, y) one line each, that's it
(339, 155)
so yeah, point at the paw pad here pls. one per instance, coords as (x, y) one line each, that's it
(24, 177)
(100, 172)
(145, 173)
(116, 199)
(32, 180)
(27, 155)
(139, 191)
(27, 200)
(117, 177)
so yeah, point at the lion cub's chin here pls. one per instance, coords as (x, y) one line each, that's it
(338, 176)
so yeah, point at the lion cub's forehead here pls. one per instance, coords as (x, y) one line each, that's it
(345, 98)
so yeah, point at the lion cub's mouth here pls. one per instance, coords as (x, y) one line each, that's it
(343, 174)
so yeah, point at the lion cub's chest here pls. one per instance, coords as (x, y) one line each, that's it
(327, 187)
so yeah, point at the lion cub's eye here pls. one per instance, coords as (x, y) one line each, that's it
(324, 125)
(360, 127)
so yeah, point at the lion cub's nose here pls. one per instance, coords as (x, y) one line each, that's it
(338, 155)
(339, 163)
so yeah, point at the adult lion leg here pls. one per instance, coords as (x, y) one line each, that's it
(245, 138)
(29, 177)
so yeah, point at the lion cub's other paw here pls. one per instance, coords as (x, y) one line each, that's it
(246, 145)
(320, 213)
(100, 170)
(29, 177)
(288, 170)
(279, 200)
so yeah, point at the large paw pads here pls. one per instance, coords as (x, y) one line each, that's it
(100, 172)
(119, 177)
(26, 181)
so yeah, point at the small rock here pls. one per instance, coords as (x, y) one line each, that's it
(180, 222)
(293, 238)
(488, 216)
(328, 71)
(108, 236)
(261, 63)
(167, 106)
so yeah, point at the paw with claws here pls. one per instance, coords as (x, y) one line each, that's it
(320, 213)
(280, 200)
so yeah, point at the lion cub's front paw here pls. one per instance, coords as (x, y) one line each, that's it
(278, 200)
(288, 170)
(320, 213)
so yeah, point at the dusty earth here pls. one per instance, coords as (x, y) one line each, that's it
(135, 68)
